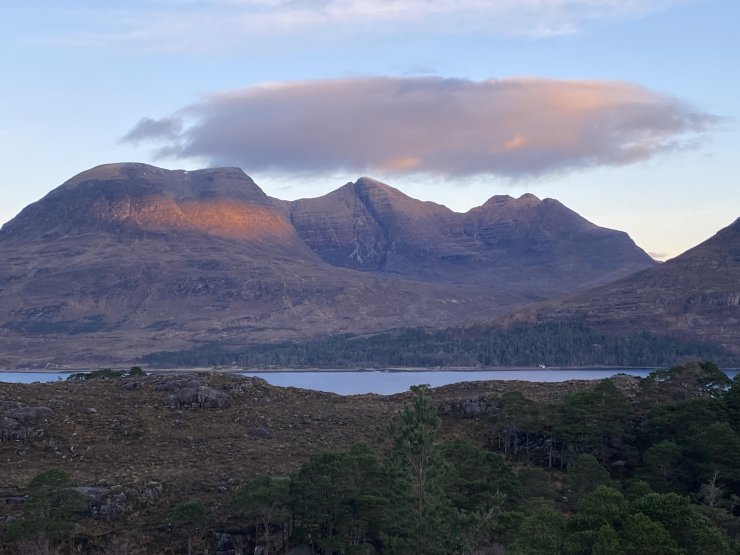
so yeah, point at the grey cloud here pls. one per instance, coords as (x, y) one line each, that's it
(148, 129)
(449, 127)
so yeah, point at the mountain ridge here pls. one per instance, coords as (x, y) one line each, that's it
(125, 259)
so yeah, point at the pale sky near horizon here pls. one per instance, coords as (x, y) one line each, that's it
(628, 115)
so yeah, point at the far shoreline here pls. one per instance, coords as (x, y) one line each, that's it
(394, 369)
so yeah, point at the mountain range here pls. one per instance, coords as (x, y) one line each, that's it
(128, 259)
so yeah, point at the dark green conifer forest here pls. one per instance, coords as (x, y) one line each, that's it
(551, 344)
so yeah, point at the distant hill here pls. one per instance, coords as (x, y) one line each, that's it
(695, 295)
(688, 307)
(128, 259)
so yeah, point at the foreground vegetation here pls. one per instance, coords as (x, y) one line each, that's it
(596, 472)
(552, 344)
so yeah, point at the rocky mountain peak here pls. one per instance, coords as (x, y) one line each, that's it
(366, 182)
(512, 203)
(143, 179)
(529, 197)
(221, 201)
(499, 199)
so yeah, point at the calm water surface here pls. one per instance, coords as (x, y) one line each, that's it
(389, 382)
(386, 382)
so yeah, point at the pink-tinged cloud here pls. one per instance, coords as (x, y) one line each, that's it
(451, 127)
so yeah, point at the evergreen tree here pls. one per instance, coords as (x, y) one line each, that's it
(421, 516)
(265, 500)
(191, 517)
(49, 511)
(339, 499)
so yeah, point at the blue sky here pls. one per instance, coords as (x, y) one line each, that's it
(79, 76)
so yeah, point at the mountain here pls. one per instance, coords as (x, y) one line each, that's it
(538, 247)
(127, 259)
(695, 295)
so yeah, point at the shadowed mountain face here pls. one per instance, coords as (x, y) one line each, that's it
(695, 295)
(126, 259)
(525, 244)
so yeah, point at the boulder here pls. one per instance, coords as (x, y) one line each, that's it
(174, 383)
(21, 423)
(199, 397)
(472, 406)
(92, 494)
(30, 415)
(475, 406)
(111, 509)
(262, 432)
(228, 544)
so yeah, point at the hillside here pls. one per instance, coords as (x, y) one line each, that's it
(687, 307)
(695, 295)
(127, 259)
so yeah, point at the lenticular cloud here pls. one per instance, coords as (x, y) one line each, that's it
(514, 127)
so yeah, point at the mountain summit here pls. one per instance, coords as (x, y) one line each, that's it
(221, 202)
(125, 259)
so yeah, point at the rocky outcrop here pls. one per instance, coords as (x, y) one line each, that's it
(470, 407)
(30, 415)
(199, 397)
(108, 503)
(23, 423)
(192, 393)
(229, 543)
